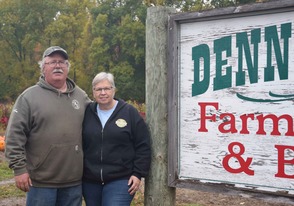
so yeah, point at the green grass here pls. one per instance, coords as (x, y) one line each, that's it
(10, 190)
(5, 172)
(138, 199)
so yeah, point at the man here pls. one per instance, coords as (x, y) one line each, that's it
(44, 135)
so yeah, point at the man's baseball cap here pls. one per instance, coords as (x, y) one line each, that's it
(54, 49)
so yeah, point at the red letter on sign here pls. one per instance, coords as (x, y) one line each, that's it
(203, 116)
(281, 161)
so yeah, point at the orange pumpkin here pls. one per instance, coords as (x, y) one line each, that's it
(2, 143)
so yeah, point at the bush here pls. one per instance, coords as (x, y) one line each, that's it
(5, 111)
(141, 107)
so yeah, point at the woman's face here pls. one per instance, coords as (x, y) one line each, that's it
(103, 92)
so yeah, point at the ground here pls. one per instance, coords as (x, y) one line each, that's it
(187, 196)
(213, 199)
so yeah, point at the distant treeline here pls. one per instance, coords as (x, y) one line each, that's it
(101, 35)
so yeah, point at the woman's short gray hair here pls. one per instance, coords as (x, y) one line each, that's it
(102, 76)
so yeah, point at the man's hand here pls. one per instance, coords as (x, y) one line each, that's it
(23, 182)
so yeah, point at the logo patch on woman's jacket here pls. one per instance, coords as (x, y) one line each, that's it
(121, 123)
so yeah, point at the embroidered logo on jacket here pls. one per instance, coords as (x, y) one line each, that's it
(121, 123)
(75, 104)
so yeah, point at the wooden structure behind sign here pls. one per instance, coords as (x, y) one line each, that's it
(231, 92)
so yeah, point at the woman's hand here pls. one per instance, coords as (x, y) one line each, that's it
(134, 184)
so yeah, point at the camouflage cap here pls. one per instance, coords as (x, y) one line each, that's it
(54, 49)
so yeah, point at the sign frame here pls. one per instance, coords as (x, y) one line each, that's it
(175, 21)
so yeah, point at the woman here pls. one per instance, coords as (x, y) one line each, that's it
(116, 144)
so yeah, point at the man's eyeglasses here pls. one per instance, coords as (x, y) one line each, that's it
(105, 89)
(54, 63)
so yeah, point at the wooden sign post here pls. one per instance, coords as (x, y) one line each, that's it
(157, 191)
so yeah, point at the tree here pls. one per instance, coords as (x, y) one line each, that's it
(119, 44)
(227, 3)
(101, 35)
(21, 31)
(67, 31)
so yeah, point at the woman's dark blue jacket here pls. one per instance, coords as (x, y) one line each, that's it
(120, 149)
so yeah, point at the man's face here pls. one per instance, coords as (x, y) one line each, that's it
(55, 68)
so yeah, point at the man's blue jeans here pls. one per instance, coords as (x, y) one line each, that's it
(114, 193)
(68, 196)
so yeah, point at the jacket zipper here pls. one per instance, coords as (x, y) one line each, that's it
(101, 159)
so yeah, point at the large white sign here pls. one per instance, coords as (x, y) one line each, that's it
(235, 101)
